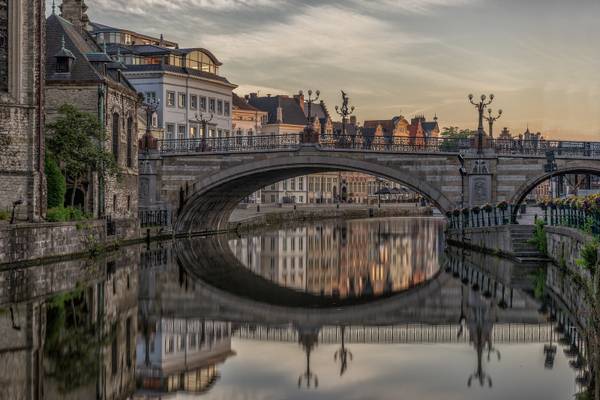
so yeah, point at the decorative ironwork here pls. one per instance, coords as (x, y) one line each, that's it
(402, 144)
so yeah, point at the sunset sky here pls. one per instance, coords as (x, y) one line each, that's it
(540, 58)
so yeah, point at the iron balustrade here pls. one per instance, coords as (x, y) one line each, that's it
(574, 217)
(154, 218)
(401, 144)
(234, 144)
(479, 217)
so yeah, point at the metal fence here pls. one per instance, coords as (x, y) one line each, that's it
(402, 144)
(149, 218)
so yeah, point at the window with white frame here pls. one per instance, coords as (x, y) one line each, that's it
(211, 105)
(170, 99)
(193, 131)
(202, 103)
(181, 131)
(220, 107)
(227, 109)
(170, 128)
(181, 100)
(193, 102)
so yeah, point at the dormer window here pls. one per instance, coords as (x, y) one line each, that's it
(64, 59)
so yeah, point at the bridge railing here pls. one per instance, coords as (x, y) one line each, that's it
(540, 147)
(230, 144)
(401, 144)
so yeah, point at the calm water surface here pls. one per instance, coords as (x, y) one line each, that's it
(365, 309)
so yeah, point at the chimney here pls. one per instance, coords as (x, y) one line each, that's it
(279, 114)
(353, 120)
(74, 11)
(253, 95)
(300, 99)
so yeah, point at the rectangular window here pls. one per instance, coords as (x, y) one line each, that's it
(181, 131)
(193, 131)
(300, 184)
(293, 184)
(211, 106)
(150, 96)
(202, 103)
(227, 109)
(170, 99)
(170, 131)
(194, 102)
(181, 100)
(220, 107)
(219, 133)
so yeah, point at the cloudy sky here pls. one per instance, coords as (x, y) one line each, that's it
(540, 58)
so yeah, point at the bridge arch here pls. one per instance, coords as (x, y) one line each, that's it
(528, 186)
(215, 197)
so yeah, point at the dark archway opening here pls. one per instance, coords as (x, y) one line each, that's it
(79, 199)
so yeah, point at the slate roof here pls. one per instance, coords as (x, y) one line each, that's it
(291, 110)
(350, 129)
(429, 127)
(386, 124)
(89, 57)
(241, 104)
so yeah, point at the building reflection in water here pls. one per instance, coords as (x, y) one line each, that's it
(348, 258)
(181, 355)
(67, 330)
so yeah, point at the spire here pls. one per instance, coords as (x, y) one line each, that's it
(104, 47)
(54, 8)
(435, 118)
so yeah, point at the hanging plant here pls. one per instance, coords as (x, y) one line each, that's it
(488, 208)
(503, 205)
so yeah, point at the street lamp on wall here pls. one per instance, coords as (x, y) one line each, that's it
(481, 106)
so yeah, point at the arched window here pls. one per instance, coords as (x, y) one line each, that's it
(115, 136)
(130, 142)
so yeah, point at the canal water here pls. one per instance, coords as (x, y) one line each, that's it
(362, 309)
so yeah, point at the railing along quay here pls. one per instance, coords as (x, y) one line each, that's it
(240, 144)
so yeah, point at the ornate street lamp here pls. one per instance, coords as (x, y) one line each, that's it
(481, 106)
(203, 121)
(311, 100)
(344, 111)
(490, 119)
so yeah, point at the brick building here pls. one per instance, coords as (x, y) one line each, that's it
(80, 73)
(21, 107)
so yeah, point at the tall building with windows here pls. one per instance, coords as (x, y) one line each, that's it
(22, 30)
(80, 73)
(186, 81)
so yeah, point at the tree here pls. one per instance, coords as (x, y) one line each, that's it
(454, 136)
(56, 184)
(78, 141)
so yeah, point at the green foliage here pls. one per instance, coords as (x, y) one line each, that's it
(78, 140)
(589, 256)
(539, 283)
(72, 342)
(56, 184)
(453, 136)
(64, 214)
(539, 237)
(4, 215)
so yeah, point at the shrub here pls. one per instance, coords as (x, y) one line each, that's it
(4, 215)
(55, 182)
(539, 237)
(62, 214)
(589, 256)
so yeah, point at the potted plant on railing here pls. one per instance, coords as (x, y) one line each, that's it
(488, 209)
(476, 210)
(449, 216)
(503, 206)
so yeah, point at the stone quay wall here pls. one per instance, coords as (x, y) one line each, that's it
(564, 245)
(495, 239)
(27, 242)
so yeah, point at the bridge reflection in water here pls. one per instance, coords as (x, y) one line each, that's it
(208, 325)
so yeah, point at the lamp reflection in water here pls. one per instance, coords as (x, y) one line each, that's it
(308, 338)
(342, 354)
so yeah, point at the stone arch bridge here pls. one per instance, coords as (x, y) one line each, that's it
(203, 182)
